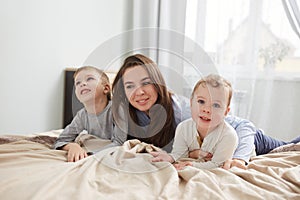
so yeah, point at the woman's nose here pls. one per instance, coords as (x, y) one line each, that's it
(140, 91)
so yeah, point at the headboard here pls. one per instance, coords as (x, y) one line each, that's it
(71, 103)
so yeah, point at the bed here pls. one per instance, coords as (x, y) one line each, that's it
(30, 169)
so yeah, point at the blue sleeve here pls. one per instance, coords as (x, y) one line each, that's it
(181, 107)
(246, 132)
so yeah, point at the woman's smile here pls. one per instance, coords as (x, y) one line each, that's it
(142, 101)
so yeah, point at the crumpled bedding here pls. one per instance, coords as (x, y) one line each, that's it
(30, 169)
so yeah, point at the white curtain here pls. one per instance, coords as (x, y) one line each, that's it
(291, 8)
(254, 46)
(157, 29)
(250, 42)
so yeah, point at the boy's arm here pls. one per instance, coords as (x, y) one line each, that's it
(119, 136)
(223, 151)
(117, 139)
(246, 132)
(180, 146)
(70, 133)
(234, 163)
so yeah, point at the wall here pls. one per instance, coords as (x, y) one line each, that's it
(39, 39)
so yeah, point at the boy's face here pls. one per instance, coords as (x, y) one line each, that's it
(89, 87)
(209, 107)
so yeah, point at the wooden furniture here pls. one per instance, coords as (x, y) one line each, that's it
(71, 103)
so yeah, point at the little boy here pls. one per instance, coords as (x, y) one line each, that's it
(92, 88)
(206, 133)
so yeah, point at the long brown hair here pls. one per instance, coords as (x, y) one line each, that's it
(166, 133)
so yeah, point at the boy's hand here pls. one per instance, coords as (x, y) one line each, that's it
(182, 164)
(194, 154)
(234, 163)
(198, 153)
(75, 152)
(161, 156)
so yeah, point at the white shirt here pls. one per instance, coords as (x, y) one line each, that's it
(221, 142)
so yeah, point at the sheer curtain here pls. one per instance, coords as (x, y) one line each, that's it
(158, 30)
(291, 8)
(250, 42)
(254, 46)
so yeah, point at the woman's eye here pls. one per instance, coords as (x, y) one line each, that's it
(90, 78)
(129, 86)
(200, 101)
(216, 105)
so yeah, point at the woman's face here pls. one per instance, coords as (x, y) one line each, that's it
(139, 89)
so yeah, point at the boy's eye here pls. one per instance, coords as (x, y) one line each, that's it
(200, 101)
(216, 105)
(90, 78)
(77, 83)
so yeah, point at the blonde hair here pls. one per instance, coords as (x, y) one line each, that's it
(103, 76)
(215, 81)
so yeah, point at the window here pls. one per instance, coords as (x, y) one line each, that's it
(245, 36)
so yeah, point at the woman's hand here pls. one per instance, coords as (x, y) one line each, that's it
(75, 152)
(234, 163)
(161, 156)
(182, 164)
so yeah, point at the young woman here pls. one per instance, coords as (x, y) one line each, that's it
(143, 108)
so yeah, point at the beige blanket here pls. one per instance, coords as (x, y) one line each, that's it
(29, 169)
